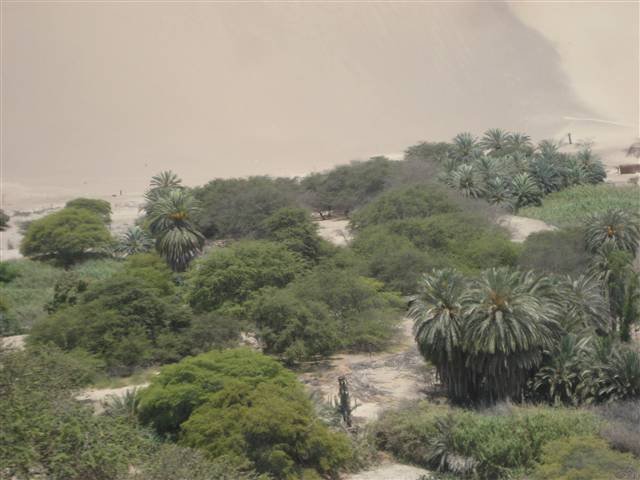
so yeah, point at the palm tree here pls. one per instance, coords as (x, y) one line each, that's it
(488, 167)
(616, 227)
(524, 191)
(135, 240)
(592, 165)
(546, 174)
(166, 180)
(465, 147)
(520, 143)
(548, 148)
(558, 380)
(495, 140)
(465, 179)
(508, 326)
(170, 221)
(583, 305)
(436, 312)
(498, 191)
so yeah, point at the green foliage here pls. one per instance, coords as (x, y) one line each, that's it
(584, 458)
(66, 291)
(7, 272)
(269, 427)
(402, 203)
(236, 207)
(123, 320)
(173, 462)
(293, 228)
(94, 205)
(67, 236)
(485, 445)
(524, 192)
(558, 251)
(572, 206)
(27, 294)
(323, 311)
(47, 433)
(346, 187)
(226, 277)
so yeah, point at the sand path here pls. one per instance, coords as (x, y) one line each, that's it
(521, 227)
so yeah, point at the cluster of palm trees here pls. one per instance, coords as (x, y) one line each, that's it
(507, 169)
(168, 224)
(509, 334)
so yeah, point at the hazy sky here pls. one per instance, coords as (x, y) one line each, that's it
(104, 95)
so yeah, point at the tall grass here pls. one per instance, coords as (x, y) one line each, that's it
(572, 206)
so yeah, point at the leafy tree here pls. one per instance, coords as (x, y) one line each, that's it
(617, 227)
(234, 208)
(226, 277)
(4, 220)
(134, 240)
(122, 320)
(66, 236)
(427, 152)
(97, 206)
(293, 227)
(401, 203)
(66, 291)
(171, 223)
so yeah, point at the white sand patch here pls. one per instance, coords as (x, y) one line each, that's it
(14, 342)
(391, 471)
(335, 231)
(521, 227)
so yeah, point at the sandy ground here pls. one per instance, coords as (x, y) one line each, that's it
(376, 381)
(521, 227)
(13, 342)
(335, 231)
(391, 471)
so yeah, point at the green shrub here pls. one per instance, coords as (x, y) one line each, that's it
(584, 458)
(27, 294)
(123, 321)
(180, 388)
(47, 433)
(67, 236)
(402, 203)
(242, 407)
(226, 277)
(269, 427)
(492, 443)
(572, 206)
(293, 228)
(558, 251)
(235, 207)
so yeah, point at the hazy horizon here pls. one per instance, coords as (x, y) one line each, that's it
(98, 97)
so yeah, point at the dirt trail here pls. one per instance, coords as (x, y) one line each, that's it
(335, 231)
(376, 381)
(391, 471)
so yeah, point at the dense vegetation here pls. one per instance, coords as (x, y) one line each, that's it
(549, 322)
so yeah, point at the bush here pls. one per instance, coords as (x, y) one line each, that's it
(123, 321)
(323, 311)
(27, 294)
(401, 203)
(45, 433)
(67, 236)
(293, 228)
(236, 207)
(584, 458)
(622, 428)
(226, 277)
(269, 427)
(558, 251)
(493, 443)
(94, 205)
